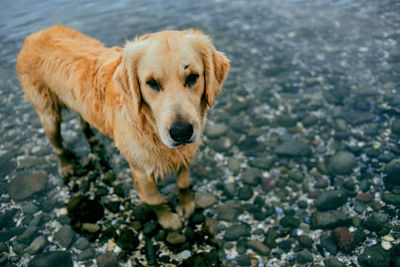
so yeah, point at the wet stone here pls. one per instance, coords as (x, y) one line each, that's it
(344, 239)
(392, 199)
(342, 162)
(334, 263)
(293, 148)
(175, 238)
(290, 221)
(51, 259)
(374, 256)
(82, 243)
(86, 254)
(150, 252)
(304, 257)
(365, 197)
(305, 241)
(24, 187)
(392, 170)
(28, 235)
(150, 228)
(64, 236)
(30, 208)
(396, 126)
(233, 164)
(86, 210)
(107, 259)
(245, 192)
(375, 221)
(243, 260)
(205, 200)
(216, 130)
(330, 200)
(258, 247)
(229, 211)
(251, 176)
(127, 240)
(236, 231)
(329, 244)
(37, 245)
(329, 219)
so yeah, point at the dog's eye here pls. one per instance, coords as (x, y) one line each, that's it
(191, 79)
(154, 84)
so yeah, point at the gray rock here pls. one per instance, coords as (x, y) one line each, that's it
(374, 256)
(296, 175)
(289, 221)
(216, 130)
(82, 243)
(236, 231)
(107, 259)
(305, 241)
(375, 221)
(64, 236)
(392, 199)
(51, 259)
(304, 257)
(330, 200)
(205, 200)
(396, 126)
(86, 254)
(355, 117)
(28, 235)
(329, 219)
(342, 162)
(251, 176)
(233, 164)
(229, 211)
(293, 148)
(37, 245)
(24, 187)
(392, 170)
(186, 254)
(30, 208)
(329, 244)
(245, 192)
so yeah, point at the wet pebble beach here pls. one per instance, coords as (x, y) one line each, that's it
(300, 162)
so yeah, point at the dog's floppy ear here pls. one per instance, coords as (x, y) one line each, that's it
(216, 66)
(125, 76)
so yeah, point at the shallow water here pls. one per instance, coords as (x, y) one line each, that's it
(322, 73)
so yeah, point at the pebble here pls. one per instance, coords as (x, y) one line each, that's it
(342, 162)
(396, 126)
(186, 254)
(30, 208)
(245, 192)
(233, 164)
(289, 221)
(392, 170)
(86, 254)
(365, 197)
(329, 219)
(374, 256)
(51, 259)
(229, 211)
(251, 176)
(304, 257)
(91, 227)
(37, 245)
(64, 236)
(205, 200)
(375, 221)
(236, 231)
(293, 148)
(127, 240)
(334, 263)
(216, 130)
(392, 199)
(329, 200)
(344, 239)
(267, 183)
(107, 259)
(305, 241)
(258, 247)
(24, 187)
(175, 238)
(243, 260)
(28, 235)
(82, 243)
(329, 244)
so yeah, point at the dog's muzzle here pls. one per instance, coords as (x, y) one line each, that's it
(181, 132)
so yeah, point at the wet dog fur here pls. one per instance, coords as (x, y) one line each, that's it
(150, 97)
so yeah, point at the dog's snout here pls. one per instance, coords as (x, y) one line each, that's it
(181, 132)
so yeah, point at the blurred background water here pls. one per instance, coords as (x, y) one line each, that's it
(309, 80)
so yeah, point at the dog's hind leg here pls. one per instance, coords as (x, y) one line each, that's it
(48, 108)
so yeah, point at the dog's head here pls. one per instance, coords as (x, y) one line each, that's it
(173, 75)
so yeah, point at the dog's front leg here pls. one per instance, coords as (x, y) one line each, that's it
(186, 197)
(149, 194)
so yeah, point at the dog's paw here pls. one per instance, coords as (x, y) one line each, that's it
(166, 218)
(187, 204)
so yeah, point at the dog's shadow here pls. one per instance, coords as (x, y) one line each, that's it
(102, 209)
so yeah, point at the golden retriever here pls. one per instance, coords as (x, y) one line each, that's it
(150, 97)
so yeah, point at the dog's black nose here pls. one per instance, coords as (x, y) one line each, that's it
(181, 132)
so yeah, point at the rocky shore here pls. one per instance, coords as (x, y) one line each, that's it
(300, 163)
